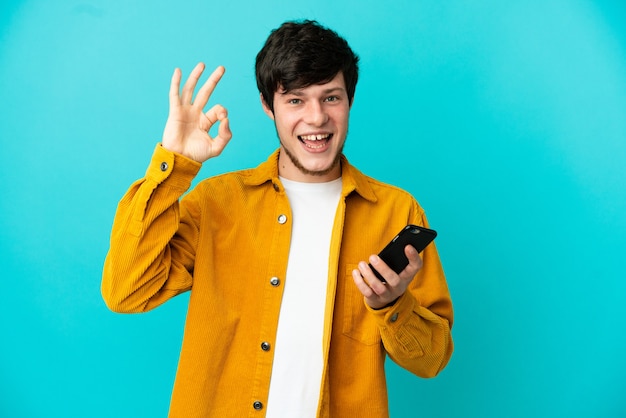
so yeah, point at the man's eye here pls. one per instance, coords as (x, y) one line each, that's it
(332, 99)
(295, 101)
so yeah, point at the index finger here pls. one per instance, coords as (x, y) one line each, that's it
(208, 87)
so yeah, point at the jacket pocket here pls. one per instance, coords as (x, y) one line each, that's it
(358, 323)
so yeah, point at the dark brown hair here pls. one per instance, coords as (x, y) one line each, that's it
(302, 53)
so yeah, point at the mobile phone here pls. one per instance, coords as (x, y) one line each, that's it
(393, 254)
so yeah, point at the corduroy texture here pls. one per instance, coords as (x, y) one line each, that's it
(224, 241)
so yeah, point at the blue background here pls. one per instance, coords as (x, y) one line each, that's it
(506, 120)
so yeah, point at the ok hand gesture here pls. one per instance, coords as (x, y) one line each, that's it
(187, 128)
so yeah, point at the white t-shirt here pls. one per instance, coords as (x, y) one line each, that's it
(298, 359)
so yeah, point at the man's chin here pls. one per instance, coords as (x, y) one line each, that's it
(317, 168)
(313, 168)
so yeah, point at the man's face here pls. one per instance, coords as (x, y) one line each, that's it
(312, 124)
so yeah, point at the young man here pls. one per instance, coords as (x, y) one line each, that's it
(285, 318)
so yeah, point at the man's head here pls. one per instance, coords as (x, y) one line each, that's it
(307, 75)
(301, 54)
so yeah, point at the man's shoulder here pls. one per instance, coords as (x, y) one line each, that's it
(265, 172)
(391, 188)
(231, 177)
(378, 187)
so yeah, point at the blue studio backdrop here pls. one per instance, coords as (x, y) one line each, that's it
(506, 120)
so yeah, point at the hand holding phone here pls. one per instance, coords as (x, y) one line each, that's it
(393, 254)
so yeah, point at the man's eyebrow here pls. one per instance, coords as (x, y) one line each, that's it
(300, 92)
(292, 92)
(334, 89)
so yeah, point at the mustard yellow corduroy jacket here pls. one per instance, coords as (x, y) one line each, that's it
(227, 241)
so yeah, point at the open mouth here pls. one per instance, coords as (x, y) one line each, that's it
(316, 141)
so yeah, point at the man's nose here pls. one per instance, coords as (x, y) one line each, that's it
(316, 114)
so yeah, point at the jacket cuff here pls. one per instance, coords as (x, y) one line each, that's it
(172, 169)
(395, 315)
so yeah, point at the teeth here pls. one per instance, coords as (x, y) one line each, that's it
(315, 137)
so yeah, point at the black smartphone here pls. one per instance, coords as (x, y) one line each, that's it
(393, 254)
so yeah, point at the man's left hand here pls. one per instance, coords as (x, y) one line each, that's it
(378, 294)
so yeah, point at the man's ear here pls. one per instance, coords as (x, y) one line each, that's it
(266, 108)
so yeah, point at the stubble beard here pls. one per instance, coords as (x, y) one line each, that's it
(306, 171)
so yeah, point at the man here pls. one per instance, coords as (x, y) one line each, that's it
(285, 318)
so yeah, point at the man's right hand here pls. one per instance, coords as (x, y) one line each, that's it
(187, 128)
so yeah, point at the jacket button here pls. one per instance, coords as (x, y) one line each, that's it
(394, 317)
(164, 166)
(258, 405)
(276, 188)
(265, 346)
(282, 219)
(275, 281)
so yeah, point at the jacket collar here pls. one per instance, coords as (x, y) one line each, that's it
(352, 178)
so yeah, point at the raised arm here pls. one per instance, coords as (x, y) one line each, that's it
(152, 250)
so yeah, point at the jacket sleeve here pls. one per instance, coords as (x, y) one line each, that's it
(152, 248)
(416, 329)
